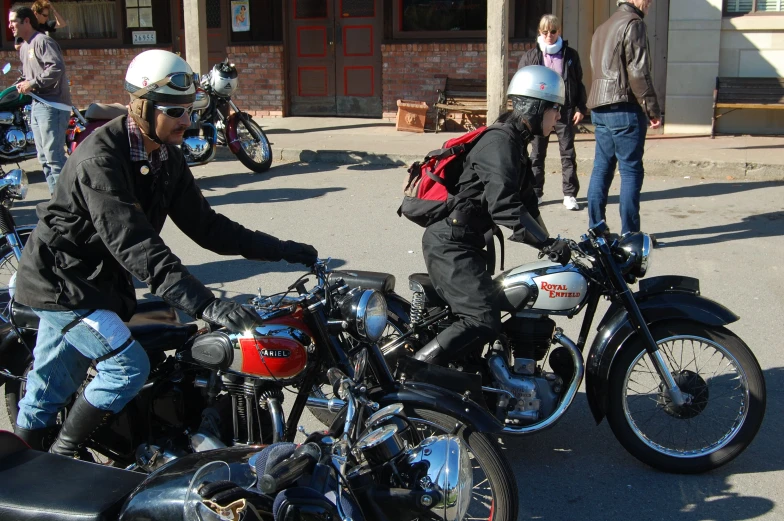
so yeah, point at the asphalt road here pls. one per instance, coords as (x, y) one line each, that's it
(726, 233)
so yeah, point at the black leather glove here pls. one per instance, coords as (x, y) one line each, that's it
(557, 250)
(299, 253)
(231, 315)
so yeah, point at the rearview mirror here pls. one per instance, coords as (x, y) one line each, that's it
(6, 68)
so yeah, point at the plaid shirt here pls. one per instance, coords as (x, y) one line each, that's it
(138, 153)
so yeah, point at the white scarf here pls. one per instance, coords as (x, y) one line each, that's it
(550, 49)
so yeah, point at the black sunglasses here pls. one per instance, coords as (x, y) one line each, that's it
(552, 32)
(175, 112)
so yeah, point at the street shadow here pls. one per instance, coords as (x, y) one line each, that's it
(234, 179)
(345, 157)
(232, 270)
(273, 131)
(776, 146)
(272, 195)
(595, 476)
(754, 226)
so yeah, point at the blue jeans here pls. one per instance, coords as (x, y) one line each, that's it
(61, 362)
(620, 140)
(49, 125)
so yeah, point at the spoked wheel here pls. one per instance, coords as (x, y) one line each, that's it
(494, 496)
(255, 151)
(9, 265)
(725, 392)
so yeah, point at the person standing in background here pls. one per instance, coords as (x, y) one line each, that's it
(43, 9)
(45, 76)
(553, 52)
(622, 100)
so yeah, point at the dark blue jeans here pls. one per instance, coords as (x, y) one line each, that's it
(620, 140)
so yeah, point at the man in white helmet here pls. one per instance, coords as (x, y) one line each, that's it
(495, 188)
(101, 227)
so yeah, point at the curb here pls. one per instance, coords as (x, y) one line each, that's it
(654, 167)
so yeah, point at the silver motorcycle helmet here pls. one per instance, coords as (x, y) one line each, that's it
(533, 90)
(223, 78)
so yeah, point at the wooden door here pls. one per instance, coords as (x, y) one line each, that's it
(335, 58)
(218, 24)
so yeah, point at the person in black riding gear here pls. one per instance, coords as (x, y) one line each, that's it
(495, 188)
(102, 228)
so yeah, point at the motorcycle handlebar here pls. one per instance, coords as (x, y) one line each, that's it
(288, 471)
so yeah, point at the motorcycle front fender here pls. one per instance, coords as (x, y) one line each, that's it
(398, 306)
(231, 132)
(418, 394)
(616, 331)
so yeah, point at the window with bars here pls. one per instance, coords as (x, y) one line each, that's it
(739, 7)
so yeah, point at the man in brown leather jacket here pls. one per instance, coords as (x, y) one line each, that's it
(622, 100)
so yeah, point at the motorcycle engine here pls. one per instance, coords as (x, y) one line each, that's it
(529, 337)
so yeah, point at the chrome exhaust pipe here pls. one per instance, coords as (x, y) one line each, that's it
(577, 358)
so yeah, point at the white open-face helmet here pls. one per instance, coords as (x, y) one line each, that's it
(540, 82)
(160, 76)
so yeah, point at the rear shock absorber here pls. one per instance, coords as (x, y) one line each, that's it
(417, 308)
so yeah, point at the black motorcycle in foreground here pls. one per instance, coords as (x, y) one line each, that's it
(219, 389)
(216, 120)
(374, 465)
(681, 392)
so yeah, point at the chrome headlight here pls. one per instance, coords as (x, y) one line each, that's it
(366, 313)
(639, 245)
(448, 472)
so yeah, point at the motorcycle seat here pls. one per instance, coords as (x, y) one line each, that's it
(155, 324)
(105, 111)
(420, 282)
(383, 282)
(42, 486)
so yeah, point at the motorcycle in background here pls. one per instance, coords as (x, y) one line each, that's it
(215, 121)
(16, 136)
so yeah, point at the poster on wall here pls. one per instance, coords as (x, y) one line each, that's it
(240, 18)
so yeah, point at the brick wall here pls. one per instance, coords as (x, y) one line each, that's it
(261, 89)
(414, 71)
(99, 75)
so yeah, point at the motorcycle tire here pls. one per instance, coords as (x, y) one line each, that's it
(249, 132)
(667, 448)
(495, 496)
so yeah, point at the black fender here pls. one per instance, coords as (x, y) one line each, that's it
(398, 306)
(418, 394)
(669, 298)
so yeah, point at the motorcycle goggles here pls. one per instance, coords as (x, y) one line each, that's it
(181, 81)
(175, 112)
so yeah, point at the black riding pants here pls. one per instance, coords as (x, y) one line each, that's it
(564, 129)
(457, 263)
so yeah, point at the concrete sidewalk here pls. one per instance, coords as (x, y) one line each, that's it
(375, 141)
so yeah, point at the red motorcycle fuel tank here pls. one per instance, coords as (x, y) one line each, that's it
(277, 350)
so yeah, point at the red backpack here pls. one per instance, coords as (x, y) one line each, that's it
(430, 183)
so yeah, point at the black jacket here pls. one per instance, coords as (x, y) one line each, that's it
(572, 75)
(496, 185)
(103, 225)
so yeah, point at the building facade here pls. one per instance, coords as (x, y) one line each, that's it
(356, 58)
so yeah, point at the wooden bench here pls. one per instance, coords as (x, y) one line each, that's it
(746, 93)
(464, 95)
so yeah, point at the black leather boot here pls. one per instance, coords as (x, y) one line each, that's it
(37, 439)
(430, 352)
(82, 421)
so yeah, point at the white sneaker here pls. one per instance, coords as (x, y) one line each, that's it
(571, 203)
(539, 201)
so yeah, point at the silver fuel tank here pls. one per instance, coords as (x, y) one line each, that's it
(543, 287)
